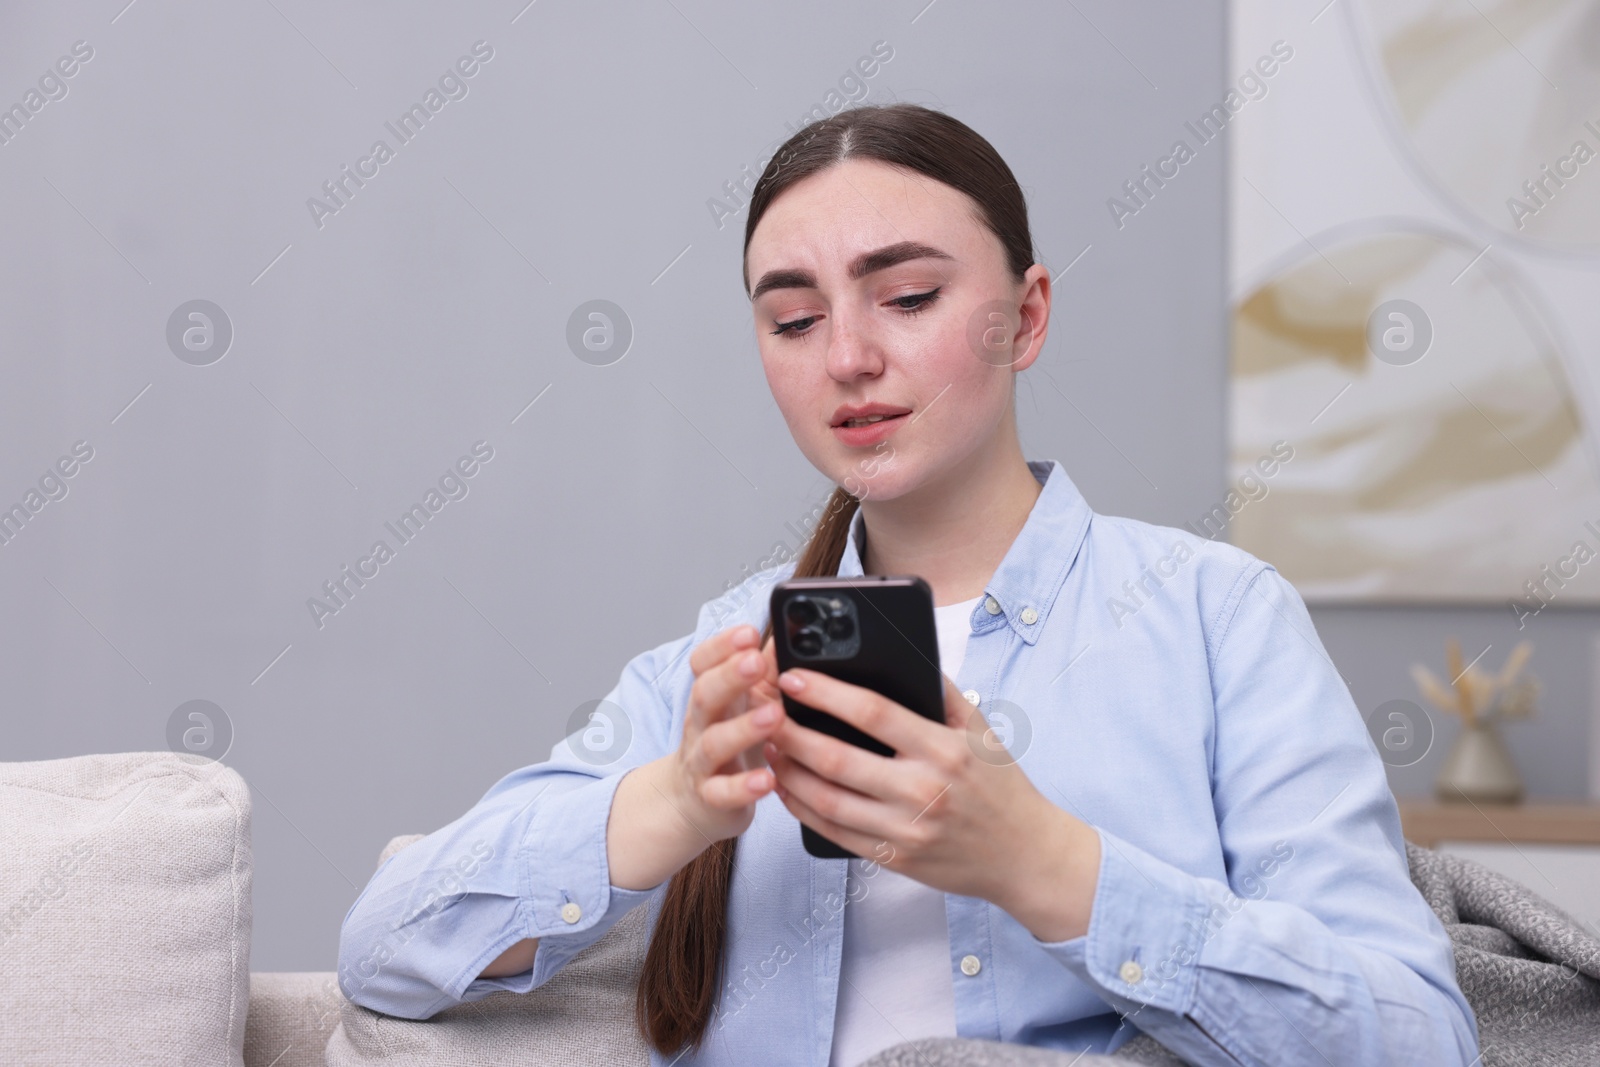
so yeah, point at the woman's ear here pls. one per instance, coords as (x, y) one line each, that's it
(1034, 312)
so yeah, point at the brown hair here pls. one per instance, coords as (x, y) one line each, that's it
(683, 965)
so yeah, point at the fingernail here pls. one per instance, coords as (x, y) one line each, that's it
(750, 663)
(767, 714)
(770, 751)
(791, 681)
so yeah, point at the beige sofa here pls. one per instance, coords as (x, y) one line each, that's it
(581, 1016)
(125, 922)
(291, 1016)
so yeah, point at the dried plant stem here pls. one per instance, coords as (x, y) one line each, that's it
(1458, 674)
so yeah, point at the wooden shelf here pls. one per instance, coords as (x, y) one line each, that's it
(1427, 822)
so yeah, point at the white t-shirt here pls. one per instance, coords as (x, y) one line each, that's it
(894, 976)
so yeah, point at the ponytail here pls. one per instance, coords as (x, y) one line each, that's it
(683, 965)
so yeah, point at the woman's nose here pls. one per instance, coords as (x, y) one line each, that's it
(852, 349)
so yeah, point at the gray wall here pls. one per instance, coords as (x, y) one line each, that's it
(371, 351)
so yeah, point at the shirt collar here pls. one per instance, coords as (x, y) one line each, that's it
(1024, 586)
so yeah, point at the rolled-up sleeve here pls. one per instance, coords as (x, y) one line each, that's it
(527, 861)
(1318, 948)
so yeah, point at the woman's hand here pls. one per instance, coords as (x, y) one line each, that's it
(943, 810)
(668, 811)
(717, 773)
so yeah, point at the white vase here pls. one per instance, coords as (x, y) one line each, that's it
(1479, 769)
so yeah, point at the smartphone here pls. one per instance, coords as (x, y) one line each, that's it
(877, 632)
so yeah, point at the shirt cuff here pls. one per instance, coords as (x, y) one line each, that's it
(1145, 932)
(555, 952)
(569, 901)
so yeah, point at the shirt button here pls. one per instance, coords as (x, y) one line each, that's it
(970, 965)
(570, 912)
(1030, 616)
(1131, 972)
(972, 697)
(992, 606)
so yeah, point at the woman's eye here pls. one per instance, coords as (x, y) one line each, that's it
(911, 304)
(922, 301)
(794, 324)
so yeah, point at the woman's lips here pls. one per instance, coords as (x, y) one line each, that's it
(871, 433)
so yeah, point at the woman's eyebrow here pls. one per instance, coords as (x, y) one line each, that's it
(784, 279)
(889, 255)
(860, 267)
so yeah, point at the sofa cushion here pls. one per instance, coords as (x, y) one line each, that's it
(583, 1015)
(291, 1015)
(124, 910)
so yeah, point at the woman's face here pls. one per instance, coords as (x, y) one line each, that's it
(875, 285)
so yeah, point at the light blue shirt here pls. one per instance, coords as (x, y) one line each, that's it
(1253, 903)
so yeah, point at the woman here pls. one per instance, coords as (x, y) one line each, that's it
(1176, 824)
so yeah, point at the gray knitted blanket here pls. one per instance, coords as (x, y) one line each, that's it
(1530, 971)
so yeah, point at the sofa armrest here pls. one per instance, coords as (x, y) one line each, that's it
(291, 1015)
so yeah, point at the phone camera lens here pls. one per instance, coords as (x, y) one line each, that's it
(840, 627)
(803, 611)
(808, 642)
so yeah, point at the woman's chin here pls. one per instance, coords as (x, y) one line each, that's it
(873, 479)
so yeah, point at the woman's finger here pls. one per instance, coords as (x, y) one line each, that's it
(861, 844)
(719, 646)
(719, 743)
(840, 806)
(872, 713)
(957, 710)
(849, 765)
(767, 687)
(715, 691)
(733, 791)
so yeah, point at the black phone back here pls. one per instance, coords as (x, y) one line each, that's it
(877, 632)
